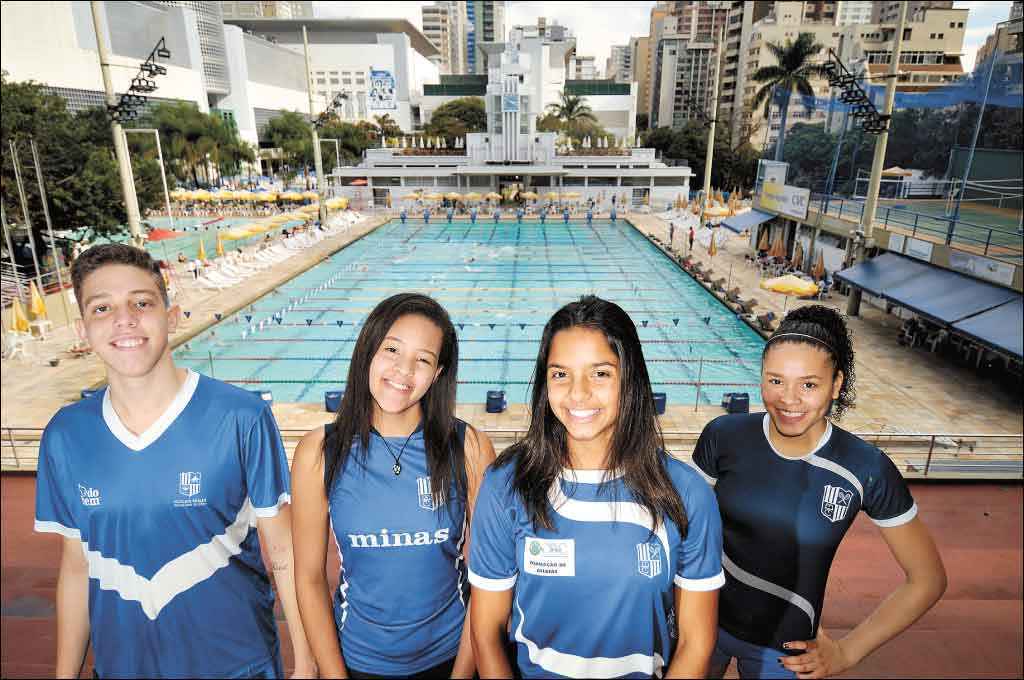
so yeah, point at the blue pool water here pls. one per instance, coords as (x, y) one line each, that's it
(500, 284)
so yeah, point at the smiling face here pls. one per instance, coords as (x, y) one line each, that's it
(125, 320)
(405, 366)
(583, 388)
(798, 384)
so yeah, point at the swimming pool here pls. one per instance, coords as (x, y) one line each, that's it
(500, 283)
(188, 243)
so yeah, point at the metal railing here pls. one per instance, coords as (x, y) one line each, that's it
(916, 455)
(1000, 243)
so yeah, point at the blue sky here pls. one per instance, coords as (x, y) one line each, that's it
(599, 25)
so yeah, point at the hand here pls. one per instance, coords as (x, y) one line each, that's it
(823, 657)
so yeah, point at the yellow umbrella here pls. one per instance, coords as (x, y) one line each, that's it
(432, 197)
(411, 197)
(19, 322)
(551, 195)
(818, 271)
(235, 234)
(387, 200)
(572, 194)
(202, 250)
(453, 196)
(472, 196)
(220, 246)
(201, 195)
(765, 242)
(779, 247)
(713, 246)
(492, 196)
(790, 285)
(798, 256)
(36, 304)
(311, 195)
(223, 195)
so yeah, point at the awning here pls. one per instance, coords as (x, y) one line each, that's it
(882, 272)
(943, 295)
(747, 220)
(1000, 328)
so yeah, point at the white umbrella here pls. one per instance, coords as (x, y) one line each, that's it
(383, 142)
(404, 143)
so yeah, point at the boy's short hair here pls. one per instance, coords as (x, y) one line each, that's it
(100, 256)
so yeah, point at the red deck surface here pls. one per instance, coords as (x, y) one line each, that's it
(976, 631)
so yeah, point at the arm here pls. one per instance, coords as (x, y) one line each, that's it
(479, 454)
(490, 611)
(72, 609)
(697, 622)
(276, 536)
(915, 551)
(310, 530)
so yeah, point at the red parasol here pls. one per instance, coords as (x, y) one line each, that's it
(161, 234)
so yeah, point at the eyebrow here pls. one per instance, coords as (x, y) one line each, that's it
(144, 291)
(779, 375)
(600, 363)
(422, 349)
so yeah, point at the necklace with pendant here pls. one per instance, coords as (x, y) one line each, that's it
(397, 467)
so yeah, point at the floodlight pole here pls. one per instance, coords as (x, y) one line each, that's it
(163, 174)
(709, 156)
(49, 229)
(131, 202)
(317, 157)
(867, 223)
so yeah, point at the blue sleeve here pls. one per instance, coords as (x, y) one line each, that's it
(700, 553)
(492, 552)
(887, 499)
(55, 495)
(266, 466)
(705, 454)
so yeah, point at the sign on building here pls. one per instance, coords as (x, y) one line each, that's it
(382, 95)
(509, 103)
(785, 200)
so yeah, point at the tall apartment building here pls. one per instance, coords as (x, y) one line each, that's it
(485, 23)
(889, 12)
(444, 24)
(687, 62)
(581, 68)
(640, 60)
(742, 17)
(1007, 36)
(619, 65)
(658, 20)
(266, 9)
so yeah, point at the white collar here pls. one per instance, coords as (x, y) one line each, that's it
(159, 426)
(587, 476)
(766, 424)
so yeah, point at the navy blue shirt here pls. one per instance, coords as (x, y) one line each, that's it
(783, 519)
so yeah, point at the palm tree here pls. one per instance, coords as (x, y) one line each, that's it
(792, 72)
(387, 125)
(572, 109)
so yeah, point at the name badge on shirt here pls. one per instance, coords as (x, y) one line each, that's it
(550, 557)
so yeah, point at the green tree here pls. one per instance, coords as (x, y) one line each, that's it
(643, 121)
(353, 139)
(810, 149)
(290, 132)
(76, 158)
(572, 110)
(549, 122)
(387, 125)
(792, 72)
(456, 118)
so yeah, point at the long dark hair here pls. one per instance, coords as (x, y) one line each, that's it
(445, 460)
(637, 448)
(824, 328)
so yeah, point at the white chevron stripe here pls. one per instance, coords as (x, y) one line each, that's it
(573, 666)
(176, 576)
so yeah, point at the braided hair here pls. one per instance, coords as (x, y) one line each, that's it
(825, 328)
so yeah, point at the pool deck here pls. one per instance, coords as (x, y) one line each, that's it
(900, 390)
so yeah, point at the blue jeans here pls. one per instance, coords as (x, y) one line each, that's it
(752, 661)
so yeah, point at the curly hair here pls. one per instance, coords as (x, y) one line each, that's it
(825, 328)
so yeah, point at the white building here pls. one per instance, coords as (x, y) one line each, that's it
(380, 64)
(511, 154)
(582, 68)
(619, 66)
(854, 12)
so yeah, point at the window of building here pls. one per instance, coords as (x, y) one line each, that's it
(334, 81)
(959, 24)
(321, 81)
(346, 81)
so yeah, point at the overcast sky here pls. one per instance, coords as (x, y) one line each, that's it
(599, 25)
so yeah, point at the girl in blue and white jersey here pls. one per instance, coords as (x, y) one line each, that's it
(394, 477)
(605, 551)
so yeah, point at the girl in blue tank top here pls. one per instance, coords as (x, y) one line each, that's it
(394, 478)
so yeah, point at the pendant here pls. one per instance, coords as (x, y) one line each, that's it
(397, 469)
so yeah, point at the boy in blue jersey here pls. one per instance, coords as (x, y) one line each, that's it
(157, 486)
(605, 551)
(789, 486)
